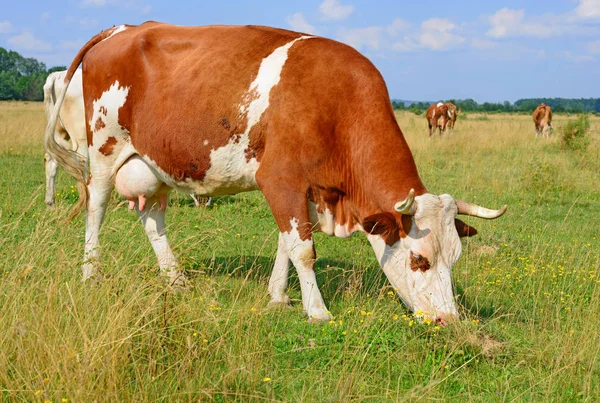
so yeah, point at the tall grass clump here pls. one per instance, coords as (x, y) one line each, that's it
(574, 134)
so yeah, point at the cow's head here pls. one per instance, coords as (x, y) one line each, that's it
(418, 248)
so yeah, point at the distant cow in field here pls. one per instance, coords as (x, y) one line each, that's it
(308, 121)
(542, 118)
(453, 113)
(437, 116)
(70, 131)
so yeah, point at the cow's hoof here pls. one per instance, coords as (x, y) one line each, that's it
(319, 317)
(320, 320)
(177, 280)
(93, 279)
(281, 302)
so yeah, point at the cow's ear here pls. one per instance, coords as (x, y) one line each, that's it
(463, 229)
(383, 224)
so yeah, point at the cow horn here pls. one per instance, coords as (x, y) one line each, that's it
(407, 206)
(474, 210)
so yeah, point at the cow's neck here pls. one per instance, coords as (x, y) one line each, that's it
(372, 180)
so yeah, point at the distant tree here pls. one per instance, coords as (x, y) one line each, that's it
(22, 78)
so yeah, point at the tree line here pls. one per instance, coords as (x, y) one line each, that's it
(22, 78)
(567, 105)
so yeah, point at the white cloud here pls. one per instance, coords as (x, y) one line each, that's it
(6, 27)
(594, 47)
(507, 22)
(406, 45)
(588, 9)
(362, 38)
(26, 41)
(436, 34)
(399, 25)
(333, 10)
(298, 23)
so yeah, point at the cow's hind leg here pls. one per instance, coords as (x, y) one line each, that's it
(51, 169)
(153, 219)
(99, 189)
(137, 183)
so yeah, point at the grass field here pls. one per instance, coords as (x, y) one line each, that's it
(528, 287)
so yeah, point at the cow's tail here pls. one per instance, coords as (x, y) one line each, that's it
(72, 162)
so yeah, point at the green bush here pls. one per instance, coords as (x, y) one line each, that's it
(574, 134)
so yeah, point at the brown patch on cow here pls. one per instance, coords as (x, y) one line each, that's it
(99, 125)
(383, 224)
(103, 110)
(418, 262)
(107, 148)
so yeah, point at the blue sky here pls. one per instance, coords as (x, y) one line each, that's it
(485, 50)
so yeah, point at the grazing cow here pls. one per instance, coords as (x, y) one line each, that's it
(71, 128)
(70, 131)
(542, 118)
(222, 109)
(453, 113)
(437, 117)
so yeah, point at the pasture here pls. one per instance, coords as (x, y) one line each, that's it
(528, 288)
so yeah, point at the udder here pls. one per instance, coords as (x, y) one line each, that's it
(136, 182)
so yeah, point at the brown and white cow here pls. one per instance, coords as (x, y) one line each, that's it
(308, 121)
(453, 113)
(70, 131)
(437, 116)
(542, 118)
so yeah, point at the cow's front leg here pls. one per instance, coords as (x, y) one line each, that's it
(289, 205)
(278, 282)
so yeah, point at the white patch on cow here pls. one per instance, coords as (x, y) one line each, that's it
(301, 253)
(106, 110)
(205, 142)
(449, 113)
(115, 31)
(440, 103)
(325, 222)
(230, 171)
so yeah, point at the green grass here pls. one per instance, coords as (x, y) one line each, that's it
(528, 287)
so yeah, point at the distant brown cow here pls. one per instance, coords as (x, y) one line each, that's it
(453, 112)
(542, 118)
(437, 117)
